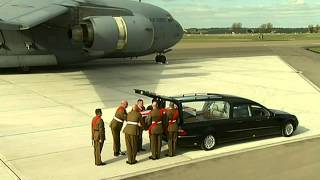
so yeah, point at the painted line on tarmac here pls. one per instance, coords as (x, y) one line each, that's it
(14, 172)
(300, 73)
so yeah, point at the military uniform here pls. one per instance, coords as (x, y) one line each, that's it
(172, 128)
(98, 137)
(141, 129)
(116, 126)
(132, 131)
(155, 132)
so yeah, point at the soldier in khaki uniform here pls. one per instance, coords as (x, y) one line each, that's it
(140, 109)
(132, 131)
(172, 128)
(155, 130)
(116, 126)
(98, 136)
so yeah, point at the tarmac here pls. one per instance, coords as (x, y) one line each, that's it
(45, 116)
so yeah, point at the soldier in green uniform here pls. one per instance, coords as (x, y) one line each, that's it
(116, 126)
(172, 128)
(132, 131)
(98, 136)
(140, 109)
(155, 130)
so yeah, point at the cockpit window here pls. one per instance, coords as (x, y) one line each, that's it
(170, 18)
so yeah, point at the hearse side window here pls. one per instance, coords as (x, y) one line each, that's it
(258, 111)
(241, 111)
(215, 110)
(205, 111)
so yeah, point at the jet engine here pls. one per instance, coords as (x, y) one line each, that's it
(110, 34)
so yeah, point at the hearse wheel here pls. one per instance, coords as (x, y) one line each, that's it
(209, 142)
(287, 129)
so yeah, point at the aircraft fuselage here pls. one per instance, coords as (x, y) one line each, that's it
(96, 29)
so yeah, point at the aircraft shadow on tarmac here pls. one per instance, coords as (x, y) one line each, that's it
(118, 75)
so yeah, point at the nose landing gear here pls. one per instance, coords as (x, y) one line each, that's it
(161, 59)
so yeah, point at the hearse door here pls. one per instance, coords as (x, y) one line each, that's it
(243, 124)
(264, 123)
(2, 44)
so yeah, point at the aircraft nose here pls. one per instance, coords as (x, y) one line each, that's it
(178, 31)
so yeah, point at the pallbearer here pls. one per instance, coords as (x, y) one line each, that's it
(116, 126)
(141, 110)
(173, 123)
(98, 136)
(132, 131)
(155, 130)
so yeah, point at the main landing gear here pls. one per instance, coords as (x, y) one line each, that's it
(160, 58)
(25, 69)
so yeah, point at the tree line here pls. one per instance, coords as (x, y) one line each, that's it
(237, 28)
(314, 28)
(268, 28)
(263, 28)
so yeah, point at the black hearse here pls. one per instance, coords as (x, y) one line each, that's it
(208, 119)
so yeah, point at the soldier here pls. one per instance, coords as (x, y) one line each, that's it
(132, 132)
(172, 128)
(98, 136)
(150, 106)
(155, 130)
(140, 109)
(116, 126)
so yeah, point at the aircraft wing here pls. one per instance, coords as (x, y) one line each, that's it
(21, 15)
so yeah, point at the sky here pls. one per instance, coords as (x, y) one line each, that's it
(251, 13)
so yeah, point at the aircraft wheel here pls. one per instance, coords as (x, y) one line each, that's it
(25, 69)
(163, 59)
(157, 58)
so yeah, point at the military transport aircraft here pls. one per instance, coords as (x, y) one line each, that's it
(52, 32)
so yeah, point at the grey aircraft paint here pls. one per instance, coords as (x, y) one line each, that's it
(44, 32)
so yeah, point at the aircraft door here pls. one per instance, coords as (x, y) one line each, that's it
(2, 44)
(28, 41)
(15, 42)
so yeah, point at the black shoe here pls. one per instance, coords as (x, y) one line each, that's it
(101, 164)
(128, 162)
(167, 155)
(116, 154)
(142, 149)
(135, 161)
(150, 157)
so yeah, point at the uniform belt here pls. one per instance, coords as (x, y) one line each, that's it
(157, 122)
(117, 119)
(132, 123)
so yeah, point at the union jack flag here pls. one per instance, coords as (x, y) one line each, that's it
(145, 113)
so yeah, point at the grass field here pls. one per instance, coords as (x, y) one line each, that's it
(314, 49)
(248, 37)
